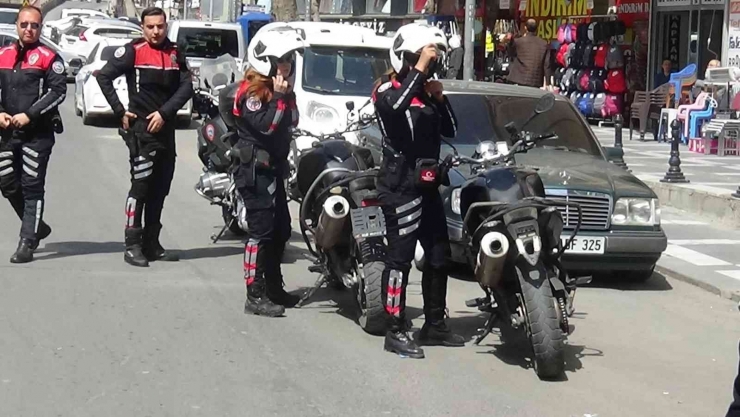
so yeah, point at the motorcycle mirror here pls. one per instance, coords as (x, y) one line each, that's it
(350, 105)
(511, 128)
(545, 103)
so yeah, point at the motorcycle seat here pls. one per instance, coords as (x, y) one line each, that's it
(364, 183)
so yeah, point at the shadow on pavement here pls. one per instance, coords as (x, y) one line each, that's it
(58, 250)
(209, 252)
(513, 347)
(614, 282)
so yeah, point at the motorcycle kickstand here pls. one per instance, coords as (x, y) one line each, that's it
(319, 282)
(221, 233)
(489, 328)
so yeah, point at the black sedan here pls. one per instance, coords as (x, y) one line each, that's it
(620, 228)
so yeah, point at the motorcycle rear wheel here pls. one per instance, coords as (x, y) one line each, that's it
(542, 325)
(369, 294)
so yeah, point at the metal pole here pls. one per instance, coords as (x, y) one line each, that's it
(674, 173)
(307, 16)
(210, 10)
(469, 34)
(185, 9)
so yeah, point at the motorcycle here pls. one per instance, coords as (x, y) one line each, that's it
(513, 234)
(213, 100)
(304, 141)
(342, 223)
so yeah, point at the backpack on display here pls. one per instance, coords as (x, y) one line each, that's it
(614, 57)
(561, 34)
(567, 82)
(621, 28)
(583, 78)
(568, 34)
(596, 81)
(599, 101)
(611, 106)
(590, 100)
(569, 54)
(583, 32)
(558, 76)
(600, 57)
(590, 34)
(560, 56)
(615, 82)
(574, 96)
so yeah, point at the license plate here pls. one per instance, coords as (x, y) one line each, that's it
(585, 245)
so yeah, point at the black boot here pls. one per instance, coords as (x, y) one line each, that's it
(277, 294)
(43, 233)
(259, 304)
(133, 254)
(24, 253)
(152, 249)
(437, 333)
(398, 341)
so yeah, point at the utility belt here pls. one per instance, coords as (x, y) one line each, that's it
(253, 161)
(427, 172)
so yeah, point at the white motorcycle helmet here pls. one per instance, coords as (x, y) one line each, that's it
(267, 46)
(410, 39)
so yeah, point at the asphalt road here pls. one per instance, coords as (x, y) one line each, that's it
(84, 334)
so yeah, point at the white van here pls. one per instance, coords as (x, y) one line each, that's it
(341, 64)
(200, 40)
(82, 13)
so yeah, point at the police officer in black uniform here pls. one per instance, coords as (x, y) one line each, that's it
(33, 85)
(159, 84)
(266, 112)
(413, 114)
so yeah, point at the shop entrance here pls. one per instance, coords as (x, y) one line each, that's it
(687, 37)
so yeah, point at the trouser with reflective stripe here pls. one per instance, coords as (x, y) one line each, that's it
(268, 231)
(412, 216)
(152, 159)
(23, 166)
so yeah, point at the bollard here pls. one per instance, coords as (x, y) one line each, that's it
(618, 142)
(674, 173)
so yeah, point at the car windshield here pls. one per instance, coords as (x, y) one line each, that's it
(7, 18)
(208, 43)
(343, 71)
(484, 117)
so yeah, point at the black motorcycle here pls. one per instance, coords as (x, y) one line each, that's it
(513, 235)
(342, 222)
(216, 136)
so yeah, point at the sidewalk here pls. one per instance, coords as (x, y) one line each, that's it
(701, 218)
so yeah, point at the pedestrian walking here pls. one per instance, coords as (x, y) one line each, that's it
(33, 86)
(413, 115)
(159, 84)
(265, 111)
(530, 59)
(455, 60)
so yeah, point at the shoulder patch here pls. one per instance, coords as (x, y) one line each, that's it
(385, 86)
(58, 67)
(254, 104)
(173, 57)
(119, 52)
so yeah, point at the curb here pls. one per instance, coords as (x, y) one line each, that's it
(722, 208)
(669, 273)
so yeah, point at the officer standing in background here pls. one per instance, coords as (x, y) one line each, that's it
(33, 84)
(159, 84)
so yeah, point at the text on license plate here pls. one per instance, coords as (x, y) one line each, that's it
(585, 244)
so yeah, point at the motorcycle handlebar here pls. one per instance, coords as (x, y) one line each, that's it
(521, 145)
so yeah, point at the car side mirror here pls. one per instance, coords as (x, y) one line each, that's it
(613, 153)
(75, 62)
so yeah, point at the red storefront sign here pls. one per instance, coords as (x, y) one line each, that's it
(630, 11)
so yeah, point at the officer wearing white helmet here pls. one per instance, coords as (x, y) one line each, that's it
(265, 111)
(413, 115)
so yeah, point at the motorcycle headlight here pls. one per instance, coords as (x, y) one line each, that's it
(321, 113)
(455, 201)
(636, 212)
(486, 149)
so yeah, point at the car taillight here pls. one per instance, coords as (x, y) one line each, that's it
(370, 202)
(95, 73)
(82, 37)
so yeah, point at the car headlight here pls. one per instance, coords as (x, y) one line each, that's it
(636, 212)
(321, 113)
(455, 201)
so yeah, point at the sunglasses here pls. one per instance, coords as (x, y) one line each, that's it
(34, 25)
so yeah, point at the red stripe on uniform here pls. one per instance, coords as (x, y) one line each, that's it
(281, 105)
(248, 266)
(251, 248)
(392, 292)
(393, 310)
(249, 281)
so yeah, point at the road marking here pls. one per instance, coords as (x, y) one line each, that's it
(699, 242)
(732, 274)
(694, 257)
(683, 222)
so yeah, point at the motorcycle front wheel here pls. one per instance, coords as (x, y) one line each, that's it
(232, 222)
(540, 310)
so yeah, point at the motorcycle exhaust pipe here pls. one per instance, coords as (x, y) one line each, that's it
(491, 258)
(331, 221)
